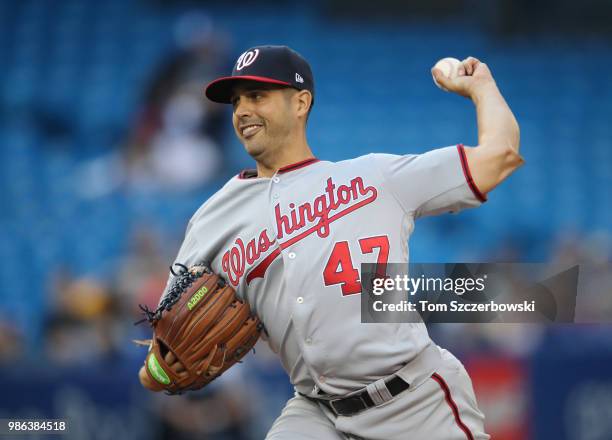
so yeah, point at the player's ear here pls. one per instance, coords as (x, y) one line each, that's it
(304, 101)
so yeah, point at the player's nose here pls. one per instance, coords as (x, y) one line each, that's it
(243, 109)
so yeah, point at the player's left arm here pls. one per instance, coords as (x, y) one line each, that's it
(497, 153)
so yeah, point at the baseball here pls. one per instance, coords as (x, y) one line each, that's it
(449, 67)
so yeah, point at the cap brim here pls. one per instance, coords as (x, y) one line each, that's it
(221, 89)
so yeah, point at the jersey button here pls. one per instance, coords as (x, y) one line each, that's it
(291, 255)
(276, 179)
(300, 300)
(275, 196)
(308, 341)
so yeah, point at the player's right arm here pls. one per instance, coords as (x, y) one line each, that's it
(497, 153)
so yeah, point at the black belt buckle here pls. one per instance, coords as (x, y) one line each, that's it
(342, 407)
(349, 406)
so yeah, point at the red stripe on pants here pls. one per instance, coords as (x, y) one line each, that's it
(453, 405)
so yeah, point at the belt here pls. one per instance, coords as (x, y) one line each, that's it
(349, 406)
(413, 373)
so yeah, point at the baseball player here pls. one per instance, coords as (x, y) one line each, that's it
(291, 235)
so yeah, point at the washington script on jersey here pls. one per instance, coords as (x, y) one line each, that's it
(298, 223)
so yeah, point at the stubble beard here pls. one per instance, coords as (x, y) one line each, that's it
(265, 148)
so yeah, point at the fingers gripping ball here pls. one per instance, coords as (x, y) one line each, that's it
(201, 324)
(449, 67)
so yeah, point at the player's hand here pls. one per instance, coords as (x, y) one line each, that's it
(473, 78)
(152, 385)
(175, 365)
(147, 382)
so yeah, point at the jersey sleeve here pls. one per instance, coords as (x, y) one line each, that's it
(431, 183)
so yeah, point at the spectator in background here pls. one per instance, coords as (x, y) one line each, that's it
(593, 253)
(83, 324)
(223, 411)
(12, 342)
(177, 138)
(143, 271)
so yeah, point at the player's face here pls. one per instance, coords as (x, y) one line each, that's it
(263, 118)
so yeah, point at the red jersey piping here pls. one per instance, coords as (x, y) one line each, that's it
(250, 173)
(468, 175)
(297, 165)
(453, 405)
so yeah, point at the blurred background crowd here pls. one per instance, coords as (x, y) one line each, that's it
(107, 146)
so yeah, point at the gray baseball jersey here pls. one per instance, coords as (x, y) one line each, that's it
(292, 245)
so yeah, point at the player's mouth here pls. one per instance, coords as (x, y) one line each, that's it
(250, 130)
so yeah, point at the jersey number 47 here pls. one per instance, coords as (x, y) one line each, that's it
(340, 269)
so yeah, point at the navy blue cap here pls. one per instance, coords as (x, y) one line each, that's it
(264, 64)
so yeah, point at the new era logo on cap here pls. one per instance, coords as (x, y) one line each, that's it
(264, 64)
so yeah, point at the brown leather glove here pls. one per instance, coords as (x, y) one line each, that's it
(202, 324)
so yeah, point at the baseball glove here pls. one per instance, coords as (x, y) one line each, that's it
(205, 326)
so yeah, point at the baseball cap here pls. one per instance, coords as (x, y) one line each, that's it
(264, 64)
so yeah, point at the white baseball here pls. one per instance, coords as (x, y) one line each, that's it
(449, 67)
